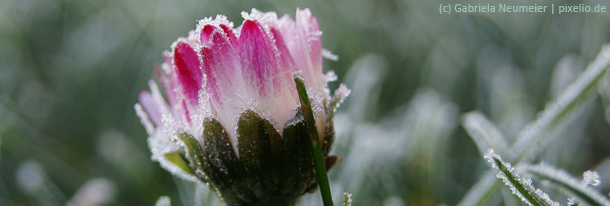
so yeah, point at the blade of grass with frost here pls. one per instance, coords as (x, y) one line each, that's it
(520, 186)
(571, 185)
(484, 133)
(552, 115)
(481, 190)
(315, 142)
(556, 111)
(604, 92)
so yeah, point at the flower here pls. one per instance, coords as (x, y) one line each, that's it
(232, 117)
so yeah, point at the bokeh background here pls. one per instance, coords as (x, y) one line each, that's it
(70, 72)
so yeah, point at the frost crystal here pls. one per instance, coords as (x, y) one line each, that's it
(330, 76)
(163, 201)
(571, 201)
(590, 178)
(150, 129)
(329, 55)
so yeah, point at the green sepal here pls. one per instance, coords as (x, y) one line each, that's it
(177, 158)
(298, 171)
(260, 150)
(329, 134)
(202, 168)
(194, 154)
(219, 152)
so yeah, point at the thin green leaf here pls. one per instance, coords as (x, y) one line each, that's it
(315, 142)
(520, 186)
(482, 190)
(557, 110)
(485, 135)
(571, 186)
(551, 116)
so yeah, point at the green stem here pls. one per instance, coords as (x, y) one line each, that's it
(315, 143)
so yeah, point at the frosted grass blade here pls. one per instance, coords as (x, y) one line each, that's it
(481, 191)
(571, 185)
(484, 133)
(520, 186)
(557, 110)
(550, 117)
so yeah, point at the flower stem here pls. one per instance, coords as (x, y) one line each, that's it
(315, 143)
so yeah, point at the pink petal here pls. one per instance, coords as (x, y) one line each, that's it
(230, 34)
(186, 65)
(314, 41)
(285, 90)
(206, 32)
(225, 83)
(187, 114)
(222, 67)
(152, 109)
(303, 40)
(258, 59)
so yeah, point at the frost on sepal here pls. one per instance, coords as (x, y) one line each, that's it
(171, 157)
(571, 185)
(520, 186)
(340, 94)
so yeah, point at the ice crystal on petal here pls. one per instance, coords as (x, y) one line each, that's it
(150, 129)
(263, 17)
(220, 19)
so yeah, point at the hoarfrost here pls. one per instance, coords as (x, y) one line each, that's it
(590, 178)
(526, 183)
(220, 19)
(263, 17)
(554, 111)
(150, 129)
(571, 201)
(340, 94)
(163, 201)
(330, 76)
(329, 55)
(571, 185)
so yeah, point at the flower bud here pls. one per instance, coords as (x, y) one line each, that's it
(233, 118)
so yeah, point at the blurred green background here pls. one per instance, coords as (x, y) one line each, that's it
(70, 72)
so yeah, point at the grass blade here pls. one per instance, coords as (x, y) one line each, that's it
(315, 142)
(482, 190)
(520, 186)
(571, 186)
(551, 116)
(485, 135)
(556, 111)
